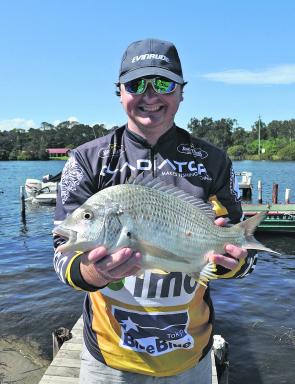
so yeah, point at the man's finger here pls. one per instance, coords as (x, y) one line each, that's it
(236, 252)
(224, 261)
(221, 221)
(96, 254)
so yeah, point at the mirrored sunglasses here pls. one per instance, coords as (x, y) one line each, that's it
(159, 84)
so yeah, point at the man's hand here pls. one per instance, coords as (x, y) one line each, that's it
(235, 253)
(98, 268)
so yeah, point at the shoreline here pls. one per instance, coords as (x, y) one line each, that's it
(20, 362)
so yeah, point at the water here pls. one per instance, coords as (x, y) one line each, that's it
(33, 302)
(255, 315)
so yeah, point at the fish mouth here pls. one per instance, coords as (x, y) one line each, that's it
(66, 234)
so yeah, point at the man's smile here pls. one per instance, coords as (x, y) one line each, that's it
(150, 108)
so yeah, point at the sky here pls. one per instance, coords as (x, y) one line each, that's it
(59, 59)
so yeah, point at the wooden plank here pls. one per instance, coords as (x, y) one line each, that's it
(59, 380)
(66, 362)
(62, 371)
(69, 354)
(72, 346)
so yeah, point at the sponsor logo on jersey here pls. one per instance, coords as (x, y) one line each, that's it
(167, 166)
(154, 333)
(113, 150)
(175, 288)
(188, 149)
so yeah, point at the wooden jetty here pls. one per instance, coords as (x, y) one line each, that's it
(65, 366)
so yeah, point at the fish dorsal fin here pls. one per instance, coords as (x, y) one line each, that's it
(160, 185)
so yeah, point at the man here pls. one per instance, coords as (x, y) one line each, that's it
(158, 328)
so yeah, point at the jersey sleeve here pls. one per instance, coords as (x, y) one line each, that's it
(76, 185)
(227, 193)
(226, 200)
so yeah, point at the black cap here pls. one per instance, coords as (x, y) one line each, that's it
(151, 57)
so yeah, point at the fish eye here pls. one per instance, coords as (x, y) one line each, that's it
(87, 215)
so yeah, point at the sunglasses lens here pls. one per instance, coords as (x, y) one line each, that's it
(136, 86)
(160, 85)
(163, 85)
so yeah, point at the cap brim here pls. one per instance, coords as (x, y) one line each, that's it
(150, 71)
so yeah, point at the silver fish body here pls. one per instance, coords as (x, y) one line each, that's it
(172, 230)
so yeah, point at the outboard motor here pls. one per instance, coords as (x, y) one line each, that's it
(32, 187)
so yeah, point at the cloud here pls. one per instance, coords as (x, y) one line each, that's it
(56, 122)
(282, 74)
(7, 125)
(72, 119)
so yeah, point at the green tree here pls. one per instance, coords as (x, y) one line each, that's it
(240, 136)
(217, 132)
(4, 154)
(255, 130)
(237, 152)
(287, 153)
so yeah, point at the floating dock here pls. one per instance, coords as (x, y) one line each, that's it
(65, 367)
(280, 217)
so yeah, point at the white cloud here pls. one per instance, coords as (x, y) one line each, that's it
(56, 122)
(72, 119)
(282, 74)
(7, 125)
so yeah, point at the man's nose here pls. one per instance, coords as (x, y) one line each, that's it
(150, 92)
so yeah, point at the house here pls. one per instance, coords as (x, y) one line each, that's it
(57, 152)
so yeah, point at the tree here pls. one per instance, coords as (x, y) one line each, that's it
(237, 152)
(217, 132)
(46, 126)
(287, 153)
(263, 130)
(240, 136)
(99, 130)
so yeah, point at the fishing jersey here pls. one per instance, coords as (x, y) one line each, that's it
(159, 325)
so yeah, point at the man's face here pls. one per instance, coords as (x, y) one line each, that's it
(151, 112)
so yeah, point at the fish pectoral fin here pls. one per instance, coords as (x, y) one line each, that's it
(207, 273)
(154, 251)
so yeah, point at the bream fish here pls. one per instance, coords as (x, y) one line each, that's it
(174, 231)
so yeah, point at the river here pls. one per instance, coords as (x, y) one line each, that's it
(255, 315)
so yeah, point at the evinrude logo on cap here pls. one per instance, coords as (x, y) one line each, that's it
(149, 56)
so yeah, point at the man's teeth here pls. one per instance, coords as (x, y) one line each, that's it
(151, 108)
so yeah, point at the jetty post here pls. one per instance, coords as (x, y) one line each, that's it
(259, 192)
(287, 195)
(275, 190)
(22, 204)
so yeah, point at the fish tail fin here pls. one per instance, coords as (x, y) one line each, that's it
(249, 226)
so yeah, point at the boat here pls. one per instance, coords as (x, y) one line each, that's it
(245, 184)
(279, 217)
(43, 191)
